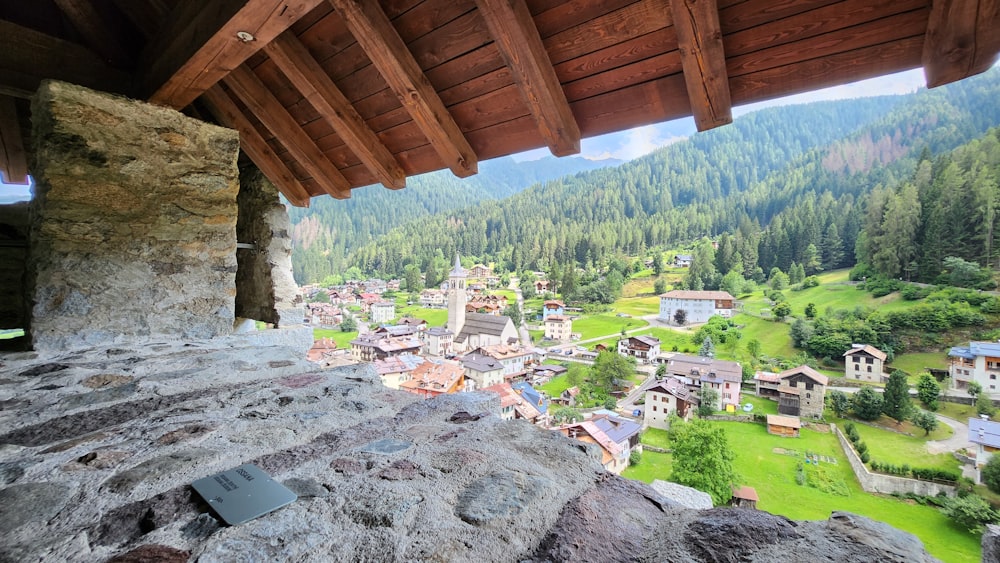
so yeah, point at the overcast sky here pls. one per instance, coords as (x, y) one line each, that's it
(626, 145)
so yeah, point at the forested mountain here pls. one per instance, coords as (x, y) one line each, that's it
(788, 184)
(324, 232)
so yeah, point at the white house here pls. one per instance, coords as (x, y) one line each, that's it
(986, 435)
(864, 363)
(979, 362)
(665, 397)
(383, 312)
(644, 348)
(698, 305)
(558, 327)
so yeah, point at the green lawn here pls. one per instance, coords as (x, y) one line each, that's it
(775, 338)
(895, 448)
(637, 306)
(604, 325)
(7, 334)
(833, 291)
(656, 437)
(343, 339)
(915, 363)
(773, 476)
(760, 404)
(434, 317)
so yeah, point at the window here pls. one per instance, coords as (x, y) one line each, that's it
(793, 383)
(808, 395)
(869, 369)
(857, 360)
(654, 408)
(869, 360)
(993, 376)
(809, 386)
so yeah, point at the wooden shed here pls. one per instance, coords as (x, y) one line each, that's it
(744, 497)
(783, 425)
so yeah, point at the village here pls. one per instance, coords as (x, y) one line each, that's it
(477, 348)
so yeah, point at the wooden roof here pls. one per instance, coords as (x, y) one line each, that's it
(330, 95)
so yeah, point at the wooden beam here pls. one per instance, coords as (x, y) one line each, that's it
(146, 15)
(13, 160)
(198, 44)
(699, 40)
(294, 60)
(262, 103)
(962, 39)
(27, 57)
(229, 114)
(520, 45)
(96, 34)
(387, 51)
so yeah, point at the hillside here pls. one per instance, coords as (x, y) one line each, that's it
(787, 182)
(326, 231)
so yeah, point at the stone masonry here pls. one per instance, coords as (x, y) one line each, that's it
(265, 289)
(99, 448)
(134, 225)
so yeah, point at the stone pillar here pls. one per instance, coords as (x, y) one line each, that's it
(265, 289)
(13, 253)
(133, 233)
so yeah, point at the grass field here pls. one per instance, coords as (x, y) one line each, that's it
(895, 448)
(834, 291)
(434, 317)
(343, 339)
(916, 363)
(773, 476)
(761, 405)
(637, 306)
(775, 339)
(604, 325)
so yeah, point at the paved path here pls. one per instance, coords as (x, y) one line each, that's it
(959, 440)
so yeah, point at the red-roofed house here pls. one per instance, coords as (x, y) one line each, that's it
(431, 379)
(322, 351)
(698, 305)
(801, 392)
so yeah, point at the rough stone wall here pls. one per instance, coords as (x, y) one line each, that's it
(134, 225)
(887, 484)
(98, 449)
(265, 289)
(13, 231)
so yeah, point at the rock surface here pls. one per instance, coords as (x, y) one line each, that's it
(380, 475)
(133, 230)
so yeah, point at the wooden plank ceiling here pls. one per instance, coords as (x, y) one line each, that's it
(332, 95)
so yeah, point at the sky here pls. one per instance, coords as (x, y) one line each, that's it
(633, 143)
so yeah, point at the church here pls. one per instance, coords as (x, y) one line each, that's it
(473, 330)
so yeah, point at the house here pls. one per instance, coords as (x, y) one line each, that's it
(617, 438)
(395, 370)
(553, 307)
(568, 396)
(801, 392)
(979, 362)
(433, 299)
(322, 351)
(558, 327)
(665, 397)
(549, 371)
(744, 497)
(437, 341)
(783, 425)
(419, 324)
(519, 400)
(541, 286)
(698, 372)
(382, 312)
(396, 331)
(642, 348)
(864, 363)
(514, 357)
(699, 306)
(683, 260)
(766, 384)
(986, 435)
(482, 370)
(375, 346)
(431, 379)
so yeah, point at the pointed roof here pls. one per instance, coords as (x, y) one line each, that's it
(866, 349)
(458, 271)
(806, 371)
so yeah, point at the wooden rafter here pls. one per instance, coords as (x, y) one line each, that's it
(27, 57)
(520, 45)
(294, 60)
(962, 39)
(144, 14)
(387, 51)
(13, 160)
(262, 103)
(96, 34)
(699, 40)
(203, 40)
(252, 143)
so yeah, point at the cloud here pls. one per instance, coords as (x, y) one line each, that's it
(628, 145)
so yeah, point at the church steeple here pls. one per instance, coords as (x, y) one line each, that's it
(456, 297)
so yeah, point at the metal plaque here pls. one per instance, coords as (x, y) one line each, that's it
(243, 493)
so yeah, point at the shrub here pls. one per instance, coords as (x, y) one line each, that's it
(991, 474)
(811, 281)
(971, 512)
(635, 457)
(865, 457)
(861, 447)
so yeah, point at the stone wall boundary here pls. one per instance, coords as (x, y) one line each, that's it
(887, 484)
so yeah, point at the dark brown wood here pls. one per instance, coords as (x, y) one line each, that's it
(226, 111)
(513, 30)
(13, 159)
(262, 103)
(900, 26)
(374, 32)
(963, 39)
(699, 40)
(28, 56)
(199, 44)
(84, 17)
(145, 15)
(309, 78)
(610, 29)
